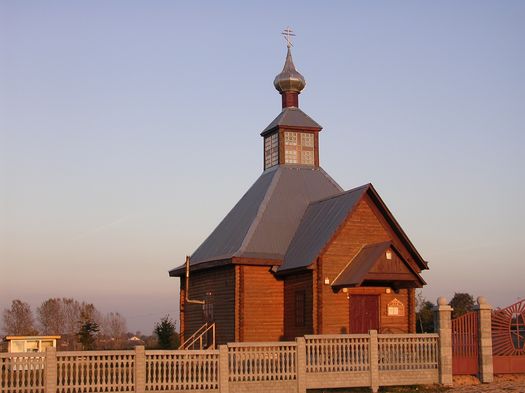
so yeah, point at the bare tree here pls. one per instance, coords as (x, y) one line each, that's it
(71, 313)
(114, 328)
(18, 320)
(50, 316)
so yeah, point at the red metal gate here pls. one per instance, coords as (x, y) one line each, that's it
(465, 344)
(508, 339)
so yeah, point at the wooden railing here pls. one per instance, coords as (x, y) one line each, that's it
(333, 353)
(408, 351)
(182, 370)
(203, 338)
(262, 361)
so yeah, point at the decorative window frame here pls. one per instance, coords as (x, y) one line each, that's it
(395, 308)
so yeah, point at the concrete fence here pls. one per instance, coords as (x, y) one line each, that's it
(309, 362)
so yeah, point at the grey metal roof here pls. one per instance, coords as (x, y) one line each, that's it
(318, 226)
(263, 222)
(292, 117)
(354, 274)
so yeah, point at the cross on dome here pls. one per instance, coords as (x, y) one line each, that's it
(288, 34)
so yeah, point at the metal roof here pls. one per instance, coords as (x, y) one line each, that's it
(292, 117)
(318, 226)
(354, 273)
(263, 222)
(361, 270)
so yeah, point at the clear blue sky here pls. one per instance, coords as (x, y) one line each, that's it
(130, 128)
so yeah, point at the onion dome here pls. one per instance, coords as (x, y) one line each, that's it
(289, 80)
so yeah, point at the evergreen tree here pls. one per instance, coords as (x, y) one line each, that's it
(87, 334)
(166, 335)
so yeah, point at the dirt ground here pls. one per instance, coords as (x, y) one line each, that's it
(502, 383)
(462, 384)
(467, 384)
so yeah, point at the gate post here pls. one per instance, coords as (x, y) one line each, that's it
(374, 361)
(443, 326)
(50, 369)
(486, 368)
(224, 371)
(301, 364)
(140, 369)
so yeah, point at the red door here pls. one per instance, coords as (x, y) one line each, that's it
(364, 313)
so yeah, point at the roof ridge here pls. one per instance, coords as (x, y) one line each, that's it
(260, 211)
(340, 194)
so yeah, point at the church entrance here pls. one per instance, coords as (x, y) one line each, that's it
(364, 313)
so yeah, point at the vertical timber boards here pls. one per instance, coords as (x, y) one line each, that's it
(220, 284)
(294, 285)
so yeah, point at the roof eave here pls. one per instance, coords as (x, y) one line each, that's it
(180, 270)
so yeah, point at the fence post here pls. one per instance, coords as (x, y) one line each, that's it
(224, 373)
(374, 361)
(51, 370)
(140, 369)
(443, 326)
(486, 368)
(301, 364)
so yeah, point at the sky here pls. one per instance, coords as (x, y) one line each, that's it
(129, 129)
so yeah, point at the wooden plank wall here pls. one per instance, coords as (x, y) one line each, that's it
(220, 282)
(261, 301)
(364, 226)
(292, 284)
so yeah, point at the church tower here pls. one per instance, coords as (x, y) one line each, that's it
(292, 137)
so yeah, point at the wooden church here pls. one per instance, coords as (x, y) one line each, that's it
(297, 254)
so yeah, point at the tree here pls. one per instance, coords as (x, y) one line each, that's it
(114, 328)
(71, 310)
(50, 316)
(89, 327)
(87, 334)
(166, 335)
(424, 314)
(18, 320)
(425, 318)
(461, 303)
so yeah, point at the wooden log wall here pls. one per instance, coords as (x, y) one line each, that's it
(364, 226)
(261, 298)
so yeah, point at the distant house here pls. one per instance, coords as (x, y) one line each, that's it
(297, 254)
(30, 343)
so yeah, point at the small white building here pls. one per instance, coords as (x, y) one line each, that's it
(30, 343)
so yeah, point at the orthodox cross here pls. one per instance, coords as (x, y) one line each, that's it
(288, 33)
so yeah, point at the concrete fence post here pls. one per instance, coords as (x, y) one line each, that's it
(443, 326)
(301, 364)
(374, 361)
(140, 369)
(486, 368)
(51, 370)
(224, 373)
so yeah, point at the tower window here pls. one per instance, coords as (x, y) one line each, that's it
(307, 140)
(299, 148)
(307, 157)
(291, 156)
(271, 150)
(290, 138)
